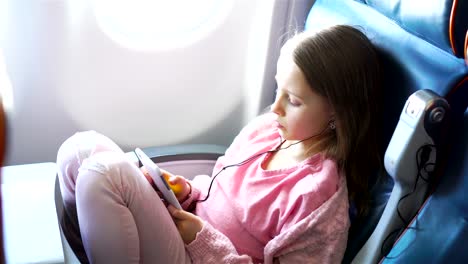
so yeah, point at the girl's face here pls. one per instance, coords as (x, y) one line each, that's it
(301, 112)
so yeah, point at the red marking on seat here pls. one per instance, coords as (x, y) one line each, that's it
(452, 26)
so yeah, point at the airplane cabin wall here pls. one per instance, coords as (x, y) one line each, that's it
(67, 74)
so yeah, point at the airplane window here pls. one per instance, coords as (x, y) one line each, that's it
(159, 24)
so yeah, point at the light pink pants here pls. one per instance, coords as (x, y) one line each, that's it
(106, 197)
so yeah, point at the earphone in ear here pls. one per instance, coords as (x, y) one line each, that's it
(332, 124)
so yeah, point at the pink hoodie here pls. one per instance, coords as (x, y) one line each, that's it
(291, 215)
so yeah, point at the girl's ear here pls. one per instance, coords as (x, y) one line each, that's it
(332, 124)
(332, 121)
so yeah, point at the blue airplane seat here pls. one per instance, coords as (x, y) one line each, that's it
(421, 45)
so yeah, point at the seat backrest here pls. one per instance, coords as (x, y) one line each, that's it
(421, 45)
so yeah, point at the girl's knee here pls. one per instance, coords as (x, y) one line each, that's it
(82, 145)
(74, 151)
(110, 169)
(70, 148)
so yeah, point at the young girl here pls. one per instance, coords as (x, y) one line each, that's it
(285, 183)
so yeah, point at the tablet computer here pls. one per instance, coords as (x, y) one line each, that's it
(158, 178)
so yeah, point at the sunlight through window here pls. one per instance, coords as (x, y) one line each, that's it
(159, 24)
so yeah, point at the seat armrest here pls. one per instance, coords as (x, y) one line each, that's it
(182, 152)
(188, 160)
(185, 152)
(31, 233)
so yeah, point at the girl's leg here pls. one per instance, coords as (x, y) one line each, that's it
(70, 157)
(122, 219)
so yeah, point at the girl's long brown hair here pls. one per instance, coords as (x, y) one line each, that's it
(340, 63)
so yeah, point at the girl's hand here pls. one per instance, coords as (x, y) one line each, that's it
(179, 186)
(187, 223)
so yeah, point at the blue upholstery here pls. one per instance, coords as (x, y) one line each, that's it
(439, 22)
(422, 45)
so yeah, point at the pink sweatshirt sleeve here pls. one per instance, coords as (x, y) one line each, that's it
(211, 246)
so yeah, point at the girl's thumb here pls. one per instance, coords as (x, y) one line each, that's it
(177, 213)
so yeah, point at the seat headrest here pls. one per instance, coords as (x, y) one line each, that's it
(444, 23)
